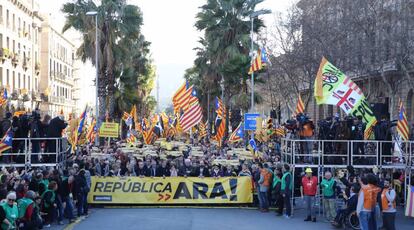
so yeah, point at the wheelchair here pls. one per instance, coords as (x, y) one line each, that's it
(352, 221)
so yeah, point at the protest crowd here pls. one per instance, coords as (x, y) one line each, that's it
(35, 197)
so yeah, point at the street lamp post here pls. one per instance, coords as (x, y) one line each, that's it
(252, 16)
(95, 14)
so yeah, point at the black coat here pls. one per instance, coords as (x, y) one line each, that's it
(153, 171)
(351, 204)
(81, 186)
(186, 171)
(56, 127)
(142, 172)
(163, 171)
(197, 172)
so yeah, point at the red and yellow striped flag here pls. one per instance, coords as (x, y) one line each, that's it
(256, 63)
(300, 106)
(402, 124)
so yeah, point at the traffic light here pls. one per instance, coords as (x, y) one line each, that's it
(269, 124)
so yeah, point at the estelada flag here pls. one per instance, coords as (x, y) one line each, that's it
(7, 141)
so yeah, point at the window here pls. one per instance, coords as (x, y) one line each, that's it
(7, 78)
(1, 76)
(7, 18)
(14, 22)
(13, 81)
(18, 81)
(28, 83)
(8, 43)
(1, 40)
(1, 14)
(35, 84)
(24, 81)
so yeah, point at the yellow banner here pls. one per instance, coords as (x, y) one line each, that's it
(171, 190)
(109, 129)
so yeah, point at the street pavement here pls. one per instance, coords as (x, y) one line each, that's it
(201, 218)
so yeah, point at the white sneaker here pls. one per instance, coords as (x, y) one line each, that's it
(47, 226)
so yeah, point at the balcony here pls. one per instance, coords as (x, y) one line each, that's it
(26, 62)
(15, 59)
(36, 96)
(37, 68)
(60, 76)
(60, 100)
(4, 54)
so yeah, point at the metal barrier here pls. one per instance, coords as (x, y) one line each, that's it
(36, 152)
(361, 154)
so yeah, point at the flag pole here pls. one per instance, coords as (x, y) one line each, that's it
(252, 75)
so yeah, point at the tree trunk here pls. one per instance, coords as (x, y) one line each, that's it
(102, 97)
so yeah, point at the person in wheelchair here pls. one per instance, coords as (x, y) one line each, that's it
(351, 205)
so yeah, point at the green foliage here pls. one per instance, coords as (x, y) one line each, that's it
(224, 49)
(125, 69)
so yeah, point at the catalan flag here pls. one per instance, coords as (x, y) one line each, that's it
(402, 124)
(92, 131)
(193, 115)
(300, 106)
(280, 131)
(181, 97)
(82, 121)
(78, 132)
(202, 132)
(133, 113)
(238, 134)
(7, 141)
(3, 99)
(220, 125)
(148, 136)
(259, 61)
(220, 109)
(130, 137)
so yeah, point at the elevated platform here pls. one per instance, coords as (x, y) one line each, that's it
(36, 152)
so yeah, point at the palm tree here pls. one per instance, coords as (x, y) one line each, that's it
(226, 43)
(116, 21)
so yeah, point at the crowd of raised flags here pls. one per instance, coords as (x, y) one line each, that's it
(331, 87)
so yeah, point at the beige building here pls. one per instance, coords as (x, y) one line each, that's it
(20, 52)
(57, 71)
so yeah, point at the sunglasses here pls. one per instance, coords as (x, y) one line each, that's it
(11, 199)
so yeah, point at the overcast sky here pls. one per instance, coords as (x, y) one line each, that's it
(169, 26)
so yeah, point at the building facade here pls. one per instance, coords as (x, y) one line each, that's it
(57, 71)
(370, 41)
(20, 52)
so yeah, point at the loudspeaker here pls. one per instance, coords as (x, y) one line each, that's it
(380, 110)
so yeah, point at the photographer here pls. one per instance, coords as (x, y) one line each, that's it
(35, 132)
(54, 130)
(306, 130)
